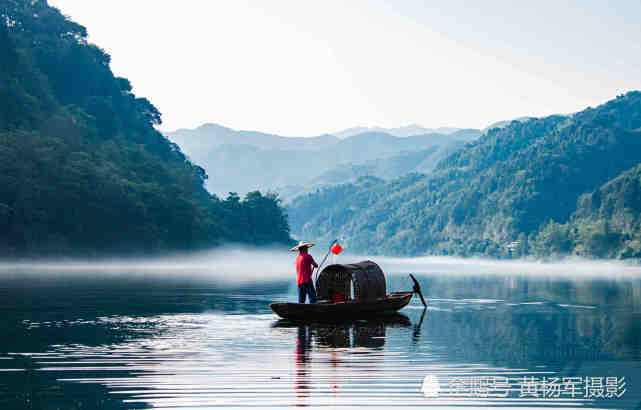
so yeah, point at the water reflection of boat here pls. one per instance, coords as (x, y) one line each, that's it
(325, 353)
(334, 287)
(355, 333)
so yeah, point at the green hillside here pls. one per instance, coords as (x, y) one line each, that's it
(606, 223)
(82, 169)
(505, 187)
(612, 212)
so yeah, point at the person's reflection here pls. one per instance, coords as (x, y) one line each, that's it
(333, 342)
(301, 383)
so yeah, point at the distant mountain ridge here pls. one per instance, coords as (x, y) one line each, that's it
(402, 132)
(249, 160)
(211, 135)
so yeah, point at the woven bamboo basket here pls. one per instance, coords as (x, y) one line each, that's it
(366, 277)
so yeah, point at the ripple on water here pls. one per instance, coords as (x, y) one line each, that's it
(246, 360)
(240, 358)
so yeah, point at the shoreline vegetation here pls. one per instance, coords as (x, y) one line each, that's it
(83, 171)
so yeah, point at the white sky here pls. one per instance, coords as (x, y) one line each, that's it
(302, 68)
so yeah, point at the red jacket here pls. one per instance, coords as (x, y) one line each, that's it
(304, 263)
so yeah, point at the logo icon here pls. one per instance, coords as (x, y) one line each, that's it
(431, 386)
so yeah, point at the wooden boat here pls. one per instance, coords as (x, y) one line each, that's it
(335, 302)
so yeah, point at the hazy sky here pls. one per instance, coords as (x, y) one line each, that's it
(303, 68)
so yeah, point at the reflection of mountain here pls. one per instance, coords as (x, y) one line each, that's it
(34, 388)
(523, 321)
(242, 161)
(181, 342)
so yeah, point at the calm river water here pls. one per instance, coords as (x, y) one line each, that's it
(109, 340)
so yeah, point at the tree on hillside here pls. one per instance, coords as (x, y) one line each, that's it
(82, 168)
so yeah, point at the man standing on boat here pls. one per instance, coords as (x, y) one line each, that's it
(304, 267)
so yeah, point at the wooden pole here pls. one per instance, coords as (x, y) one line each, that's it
(417, 289)
(324, 259)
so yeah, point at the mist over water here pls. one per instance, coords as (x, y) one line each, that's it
(225, 264)
(569, 268)
(195, 330)
(245, 264)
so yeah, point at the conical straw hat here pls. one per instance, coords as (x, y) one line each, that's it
(302, 244)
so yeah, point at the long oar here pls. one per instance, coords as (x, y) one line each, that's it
(417, 289)
(324, 259)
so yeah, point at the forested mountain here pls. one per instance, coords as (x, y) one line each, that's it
(82, 169)
(606, 223)
(247, 160)
(392, 167)
(503, 124)
(510, 185)
(388, 168)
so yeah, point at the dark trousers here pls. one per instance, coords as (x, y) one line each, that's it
(305, 289)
